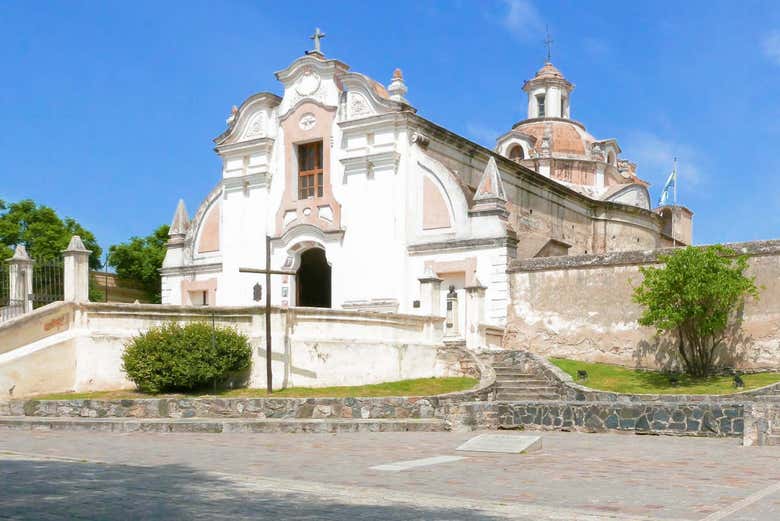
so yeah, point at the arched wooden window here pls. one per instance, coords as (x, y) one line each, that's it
(516, 153)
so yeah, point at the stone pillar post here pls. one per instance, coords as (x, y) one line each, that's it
(475, 313)
(76, 271)
(430, 293)
(20, 270)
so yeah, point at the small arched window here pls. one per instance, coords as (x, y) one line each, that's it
(516, 153)
(540, 105)
(611, 158)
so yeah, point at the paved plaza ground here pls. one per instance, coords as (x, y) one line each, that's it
(62, 475)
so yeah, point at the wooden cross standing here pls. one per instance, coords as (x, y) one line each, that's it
(268, 272)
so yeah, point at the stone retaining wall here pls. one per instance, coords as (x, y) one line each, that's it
(697, 419)
(581, 307)
(691, 419)
(214, 407)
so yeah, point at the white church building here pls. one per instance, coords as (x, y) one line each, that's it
(371, 207)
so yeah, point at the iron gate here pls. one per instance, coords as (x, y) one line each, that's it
(16, 298)
(47, 282)
(9, 308)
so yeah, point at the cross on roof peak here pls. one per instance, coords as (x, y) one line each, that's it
(548, 41)
(317, 36)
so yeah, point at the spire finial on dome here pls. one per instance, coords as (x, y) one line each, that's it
(397, 88)
(548, 41)
(180, 223)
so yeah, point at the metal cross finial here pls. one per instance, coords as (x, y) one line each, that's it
(548, 42)
(317, 36)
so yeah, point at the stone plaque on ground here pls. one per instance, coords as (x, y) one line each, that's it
(509, 443)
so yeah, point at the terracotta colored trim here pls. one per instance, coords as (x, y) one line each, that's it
(208, 285)
(467, 266)
(210, 230)
(322, 212)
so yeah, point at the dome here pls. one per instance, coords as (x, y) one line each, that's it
(548, 71)
(567, 137)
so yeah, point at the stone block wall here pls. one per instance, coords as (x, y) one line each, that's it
(581, 307)
(697, 419)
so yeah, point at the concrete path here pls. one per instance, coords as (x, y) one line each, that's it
(58, 475)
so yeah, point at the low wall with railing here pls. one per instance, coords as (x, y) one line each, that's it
(78, 346)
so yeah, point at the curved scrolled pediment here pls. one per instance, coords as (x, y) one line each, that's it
(310, 79)
(365, 97)
(252, 120)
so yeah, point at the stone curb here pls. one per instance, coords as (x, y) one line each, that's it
(212, 425)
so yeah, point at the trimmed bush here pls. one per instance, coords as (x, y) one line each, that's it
(173, 357)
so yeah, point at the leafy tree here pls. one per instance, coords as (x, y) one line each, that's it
(41, 231)
(140, 259)
(695, 297)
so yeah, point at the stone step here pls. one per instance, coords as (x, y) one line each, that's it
(218, 425)
(522, 390)
(523, 384)
(773, 439)
(768, 397)
(524, 397)
(520, 376)
(500, 378)
(512, 370)
(526, 387)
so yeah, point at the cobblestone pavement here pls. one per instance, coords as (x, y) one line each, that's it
(62, 475)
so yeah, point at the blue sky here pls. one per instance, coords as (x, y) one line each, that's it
(108, 108)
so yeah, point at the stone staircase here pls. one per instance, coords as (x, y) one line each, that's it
(516, 384)
(771, 394)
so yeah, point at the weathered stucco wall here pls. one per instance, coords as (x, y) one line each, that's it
(311, 347)
(581, 307)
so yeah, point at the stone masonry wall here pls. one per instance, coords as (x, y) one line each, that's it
(581, 307)
(697, 419)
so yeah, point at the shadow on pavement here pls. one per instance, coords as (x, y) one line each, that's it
(47, 490)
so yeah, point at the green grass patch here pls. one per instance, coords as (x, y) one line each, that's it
(607, 377)
(416, 387)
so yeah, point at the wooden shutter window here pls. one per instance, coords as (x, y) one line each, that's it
(310, 175)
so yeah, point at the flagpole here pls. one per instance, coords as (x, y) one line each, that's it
(674, 205)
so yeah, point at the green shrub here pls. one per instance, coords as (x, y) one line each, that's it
(173, 357)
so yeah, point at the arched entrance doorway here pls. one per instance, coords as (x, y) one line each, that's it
(313, 279)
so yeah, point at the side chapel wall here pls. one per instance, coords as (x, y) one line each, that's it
(581, 307)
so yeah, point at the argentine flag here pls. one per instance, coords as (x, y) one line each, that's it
(669, 188)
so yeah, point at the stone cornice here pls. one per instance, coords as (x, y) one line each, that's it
(630, 258)
(387, 119)
(192, 269)
(263, 144)
(551, 119)
(462, 245)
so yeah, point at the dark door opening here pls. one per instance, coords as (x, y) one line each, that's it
(313, 279)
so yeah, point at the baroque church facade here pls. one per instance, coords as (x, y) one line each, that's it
(370, 206)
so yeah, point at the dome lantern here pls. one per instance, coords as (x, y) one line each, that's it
(548, 94)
